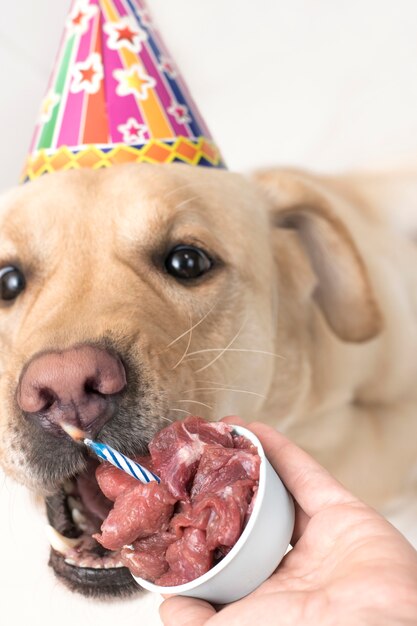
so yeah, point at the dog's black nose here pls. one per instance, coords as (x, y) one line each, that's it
(77, 386)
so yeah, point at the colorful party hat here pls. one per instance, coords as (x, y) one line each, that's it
(116, 96)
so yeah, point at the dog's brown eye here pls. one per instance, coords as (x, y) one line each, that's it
(187, 262)
(12, 282)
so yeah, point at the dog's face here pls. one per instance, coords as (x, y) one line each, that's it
(129, 297)
(140, 294)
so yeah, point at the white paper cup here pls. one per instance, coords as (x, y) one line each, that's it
(259, 549)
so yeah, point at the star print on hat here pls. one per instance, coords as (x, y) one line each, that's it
(116, 96)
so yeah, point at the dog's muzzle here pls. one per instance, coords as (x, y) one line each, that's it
(85, 386)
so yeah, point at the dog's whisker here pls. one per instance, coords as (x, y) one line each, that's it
(189, 330)
(217, 383)
(265, 352)
(186, 349)
(254, 393)
(186, 186)
(184, 202)
(182, 411)
(166, 418)
(196, 402)
(223, 351)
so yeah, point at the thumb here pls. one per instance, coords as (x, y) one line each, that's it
(233, 419)
(182, 611)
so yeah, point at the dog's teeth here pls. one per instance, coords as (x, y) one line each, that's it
(84, 563)
(91, 564)
(61, 544)
(113, 565)
(73, 503)
(77, 513)
(79, 519)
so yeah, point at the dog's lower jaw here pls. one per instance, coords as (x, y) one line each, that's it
(84, 566)
(94, 583)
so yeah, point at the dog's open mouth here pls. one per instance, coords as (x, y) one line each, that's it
(75, 513)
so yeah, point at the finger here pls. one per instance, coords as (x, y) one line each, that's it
(182, 611)
(233, 419)
(311, 485)
(301, 521)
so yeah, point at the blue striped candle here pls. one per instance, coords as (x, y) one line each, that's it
(107, 453)
(122, 462)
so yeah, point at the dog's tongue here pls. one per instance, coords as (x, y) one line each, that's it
(93, 499)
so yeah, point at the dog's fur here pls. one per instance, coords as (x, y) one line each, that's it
(308, 320)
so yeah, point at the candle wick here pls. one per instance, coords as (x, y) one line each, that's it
(74, 432)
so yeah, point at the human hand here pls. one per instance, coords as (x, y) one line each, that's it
(348, 565)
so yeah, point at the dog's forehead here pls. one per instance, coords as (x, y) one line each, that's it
(149, 194)
(142, 189)
(128, 205)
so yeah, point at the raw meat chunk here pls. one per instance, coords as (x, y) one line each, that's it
(176, 450)
(146, 557)
(137, 513)
(180, 528)
(219, 467)
(187, 559)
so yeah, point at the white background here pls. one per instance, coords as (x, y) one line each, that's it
(326, 84)
(323, 84)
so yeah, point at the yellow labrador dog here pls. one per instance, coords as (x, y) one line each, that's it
(140, 294)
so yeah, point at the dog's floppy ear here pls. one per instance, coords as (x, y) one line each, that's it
(343, 291)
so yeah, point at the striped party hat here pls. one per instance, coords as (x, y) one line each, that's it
(116, 96)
